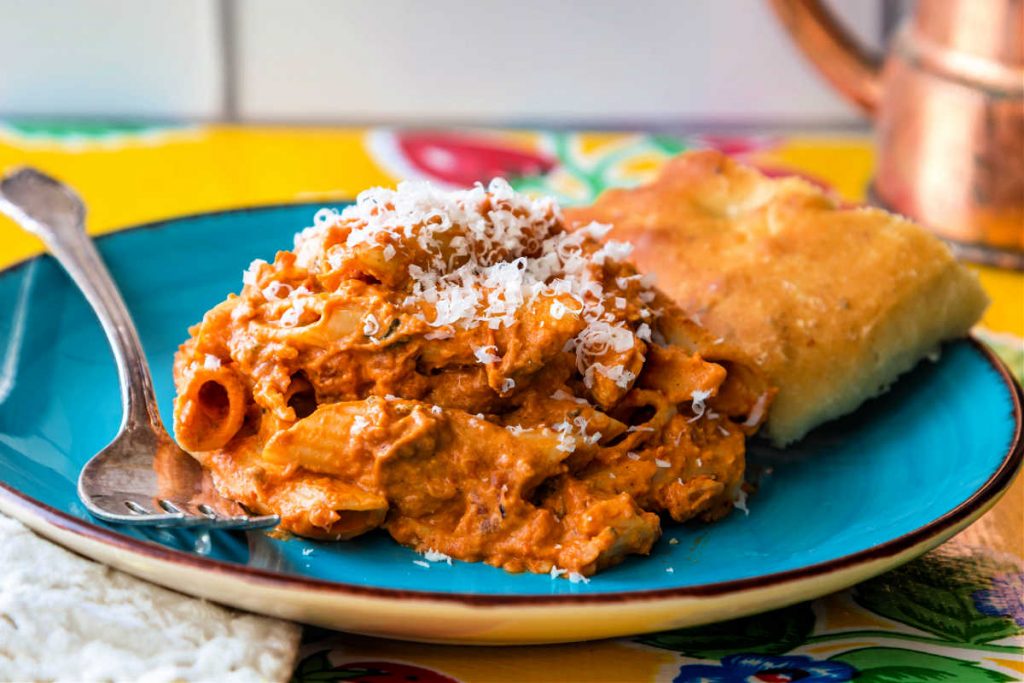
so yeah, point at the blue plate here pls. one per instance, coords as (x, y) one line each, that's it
(856, 497)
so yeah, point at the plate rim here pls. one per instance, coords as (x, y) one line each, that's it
(986, 494)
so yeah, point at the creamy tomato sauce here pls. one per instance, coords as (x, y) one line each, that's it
(462, 371)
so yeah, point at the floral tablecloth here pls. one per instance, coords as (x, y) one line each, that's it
(956, 614)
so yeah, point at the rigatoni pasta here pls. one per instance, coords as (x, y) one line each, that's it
(211, 406)
(461, 370)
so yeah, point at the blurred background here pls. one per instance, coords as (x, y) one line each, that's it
(649, 63)
(943, 81)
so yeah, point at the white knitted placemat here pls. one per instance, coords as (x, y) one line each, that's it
(65, 618)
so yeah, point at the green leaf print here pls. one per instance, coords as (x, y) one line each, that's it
(669, 144)
(936, 594)
(771, 633)
(93, 130)
(895, 665)
(596, 171)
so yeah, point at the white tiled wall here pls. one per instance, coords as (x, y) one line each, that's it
(152, 58)
(483, 61)
(602, 60)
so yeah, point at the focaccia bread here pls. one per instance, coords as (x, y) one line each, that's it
(833, 302)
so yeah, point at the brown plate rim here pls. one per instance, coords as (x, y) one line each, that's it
(996, 484)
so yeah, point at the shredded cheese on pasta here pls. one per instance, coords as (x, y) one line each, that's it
(472, 374)
(483, 254)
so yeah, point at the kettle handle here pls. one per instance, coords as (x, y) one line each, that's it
(840, 57)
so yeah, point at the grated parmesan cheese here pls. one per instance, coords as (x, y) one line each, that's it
(274, 290)
(370, 325)
(616, 373)
(359, 423)
(662, 463)
(485, 355)
(563, 395)
(576, 577)
(432, 555)
(290, 318)
(446, 333)
(566, 443)
(757, 412)
(698, 397)
(569, 438)
(740, 502)
(617, 251)
(477, 256)
(249, 275)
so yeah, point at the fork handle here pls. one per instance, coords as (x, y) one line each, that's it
(54, 213)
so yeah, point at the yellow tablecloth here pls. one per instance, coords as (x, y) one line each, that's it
(955, 615)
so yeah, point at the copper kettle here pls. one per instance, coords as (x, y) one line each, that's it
(948, 105)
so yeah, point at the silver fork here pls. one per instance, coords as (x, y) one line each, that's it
(142, 476)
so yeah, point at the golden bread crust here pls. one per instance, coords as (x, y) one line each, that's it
(833, 302)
